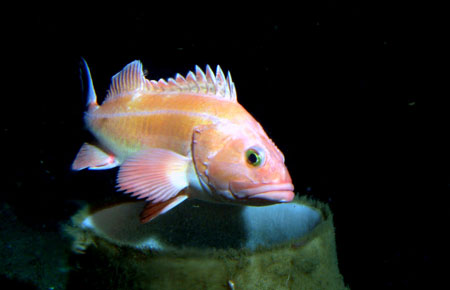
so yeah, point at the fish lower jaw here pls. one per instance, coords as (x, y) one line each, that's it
(276, 196)
(272, 193)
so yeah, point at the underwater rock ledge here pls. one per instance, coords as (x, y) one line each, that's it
(201, 245)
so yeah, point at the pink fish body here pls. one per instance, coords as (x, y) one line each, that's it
(182, 138)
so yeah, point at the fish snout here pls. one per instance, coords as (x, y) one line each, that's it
(274, 192)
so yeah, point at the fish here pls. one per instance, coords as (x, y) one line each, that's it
(179, 138)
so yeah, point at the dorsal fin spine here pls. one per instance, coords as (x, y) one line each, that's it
(232, 89)
(227, 86)
(162, 84)
(172, 84)
(201, 80)
(210, 81)
(191, 80)
(219, 74)
(180, 79)
(152, 85)
(220, 81)
(199, 74)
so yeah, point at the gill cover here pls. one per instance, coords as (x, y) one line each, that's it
(207, 142)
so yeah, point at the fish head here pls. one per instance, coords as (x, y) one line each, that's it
(248, 168)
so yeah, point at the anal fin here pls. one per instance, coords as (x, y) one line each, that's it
(94, 158)
(152, 210)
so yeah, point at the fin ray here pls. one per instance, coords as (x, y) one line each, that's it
(93, 158)
(130, 79)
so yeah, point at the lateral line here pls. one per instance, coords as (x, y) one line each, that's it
(210, 117)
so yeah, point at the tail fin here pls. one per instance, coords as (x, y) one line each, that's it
(88, 86)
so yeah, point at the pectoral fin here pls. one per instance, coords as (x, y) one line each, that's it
(158, 175)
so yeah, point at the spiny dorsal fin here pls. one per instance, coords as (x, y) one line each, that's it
(209, 84)
(130, 79)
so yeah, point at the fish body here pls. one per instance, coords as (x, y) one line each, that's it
(186, 137)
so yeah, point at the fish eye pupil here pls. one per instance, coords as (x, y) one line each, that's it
(253, 157)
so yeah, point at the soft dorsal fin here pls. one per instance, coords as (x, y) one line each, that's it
(209, 84)
(130, 79)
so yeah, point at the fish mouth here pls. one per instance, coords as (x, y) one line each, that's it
(277, 192)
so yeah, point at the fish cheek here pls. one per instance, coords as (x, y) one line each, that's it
(217, 156)
(229, 165)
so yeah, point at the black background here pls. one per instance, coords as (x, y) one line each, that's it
(337, 86)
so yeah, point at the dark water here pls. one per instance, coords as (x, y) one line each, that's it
(338, 87)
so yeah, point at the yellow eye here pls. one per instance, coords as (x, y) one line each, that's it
(254, 157)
